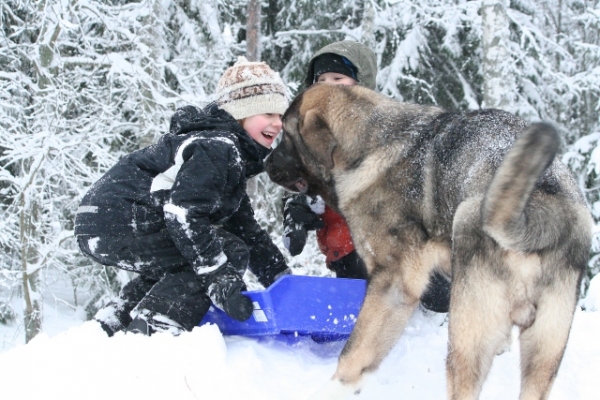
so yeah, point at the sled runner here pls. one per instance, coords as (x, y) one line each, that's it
(323, 308)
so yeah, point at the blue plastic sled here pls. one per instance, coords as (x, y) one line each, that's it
(323, 308)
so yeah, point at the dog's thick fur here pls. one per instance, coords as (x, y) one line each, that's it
(478, 196)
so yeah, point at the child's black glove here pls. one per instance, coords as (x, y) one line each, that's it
(224, 290)
(298, 218)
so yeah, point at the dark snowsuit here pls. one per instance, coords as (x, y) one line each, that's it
(178, 214)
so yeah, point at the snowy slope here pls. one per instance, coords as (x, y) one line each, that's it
(80, 362)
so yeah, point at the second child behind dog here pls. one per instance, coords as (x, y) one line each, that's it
(342, 63)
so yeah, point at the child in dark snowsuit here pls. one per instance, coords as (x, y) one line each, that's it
(342, 63)
(178, 214)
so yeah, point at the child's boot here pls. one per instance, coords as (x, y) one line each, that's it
(148, 323)
(114, 316)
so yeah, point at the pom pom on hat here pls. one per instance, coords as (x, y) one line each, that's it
(250, 88)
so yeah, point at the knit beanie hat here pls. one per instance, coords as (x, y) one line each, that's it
(251, 88)
(330, 62)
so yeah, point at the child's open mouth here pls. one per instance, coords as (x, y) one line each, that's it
(269, 135)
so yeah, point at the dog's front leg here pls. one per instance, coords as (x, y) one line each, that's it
(381, 320)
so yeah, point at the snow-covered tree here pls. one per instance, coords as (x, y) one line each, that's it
(84, 82)
(81, 84)
(499, 87)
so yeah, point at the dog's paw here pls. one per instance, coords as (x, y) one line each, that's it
(335, 390)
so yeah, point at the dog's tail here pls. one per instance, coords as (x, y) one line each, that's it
(504, 216)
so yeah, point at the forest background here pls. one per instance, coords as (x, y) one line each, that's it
(83, 82)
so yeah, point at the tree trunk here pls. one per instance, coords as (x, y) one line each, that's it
(498, 82)
(29, 208)
(368, 26)
(152, 37)
(253, 31)
(33, 308)
(253, 54)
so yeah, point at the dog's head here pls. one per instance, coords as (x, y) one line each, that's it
(315, 139)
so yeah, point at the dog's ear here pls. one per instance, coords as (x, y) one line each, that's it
(291, 116)
(318, 138)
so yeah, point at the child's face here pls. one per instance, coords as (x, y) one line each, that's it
(263, 128)
(336, 79)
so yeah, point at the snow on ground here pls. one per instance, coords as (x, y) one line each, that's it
(76, 360)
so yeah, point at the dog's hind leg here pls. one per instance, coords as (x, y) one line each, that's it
(480, 322)
(479, 327)
(543, 343)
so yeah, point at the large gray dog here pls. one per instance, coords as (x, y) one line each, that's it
(478, 196)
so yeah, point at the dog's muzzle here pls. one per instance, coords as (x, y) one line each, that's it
(282, 169)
